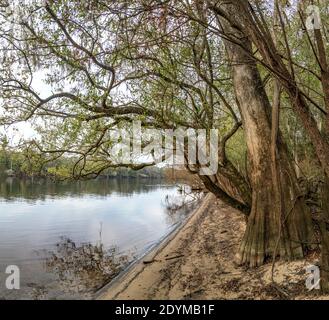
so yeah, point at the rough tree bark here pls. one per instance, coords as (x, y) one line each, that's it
(264, 43)
(324, 231)
(319, 139)
(325, 188)
(291, 229)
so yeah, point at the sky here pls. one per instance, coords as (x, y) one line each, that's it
(24, 130)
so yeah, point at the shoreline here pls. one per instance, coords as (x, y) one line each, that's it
(112, 289)
(197, 261)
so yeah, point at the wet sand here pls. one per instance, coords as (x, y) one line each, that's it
(198, 262)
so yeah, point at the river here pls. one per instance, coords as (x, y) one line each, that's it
(70, 238)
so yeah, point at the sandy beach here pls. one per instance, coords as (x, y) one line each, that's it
(198, 262)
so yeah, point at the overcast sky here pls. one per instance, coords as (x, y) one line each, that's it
(24, 129)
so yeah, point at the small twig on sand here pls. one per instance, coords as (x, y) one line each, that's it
(149, 261)
(175, 257)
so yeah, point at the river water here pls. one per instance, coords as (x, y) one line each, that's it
(69, 239)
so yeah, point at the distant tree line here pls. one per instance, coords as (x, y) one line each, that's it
(26, 162)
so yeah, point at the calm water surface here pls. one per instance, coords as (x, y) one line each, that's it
(69, 239)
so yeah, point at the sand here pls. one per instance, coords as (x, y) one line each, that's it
(198, 262)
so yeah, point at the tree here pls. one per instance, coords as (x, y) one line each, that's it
(291, 76)
(4, 157)
(170, 64)
(270, 231)
(96, 67)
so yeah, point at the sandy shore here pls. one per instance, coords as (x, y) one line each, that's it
(198, 262)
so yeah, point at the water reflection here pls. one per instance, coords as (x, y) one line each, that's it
(52, 231)
(12, 188)
(178, 206)
(86, 267)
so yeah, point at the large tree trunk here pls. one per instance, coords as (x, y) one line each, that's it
(325, 188)
(268, 233)
(255, 30)
(324, 233)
